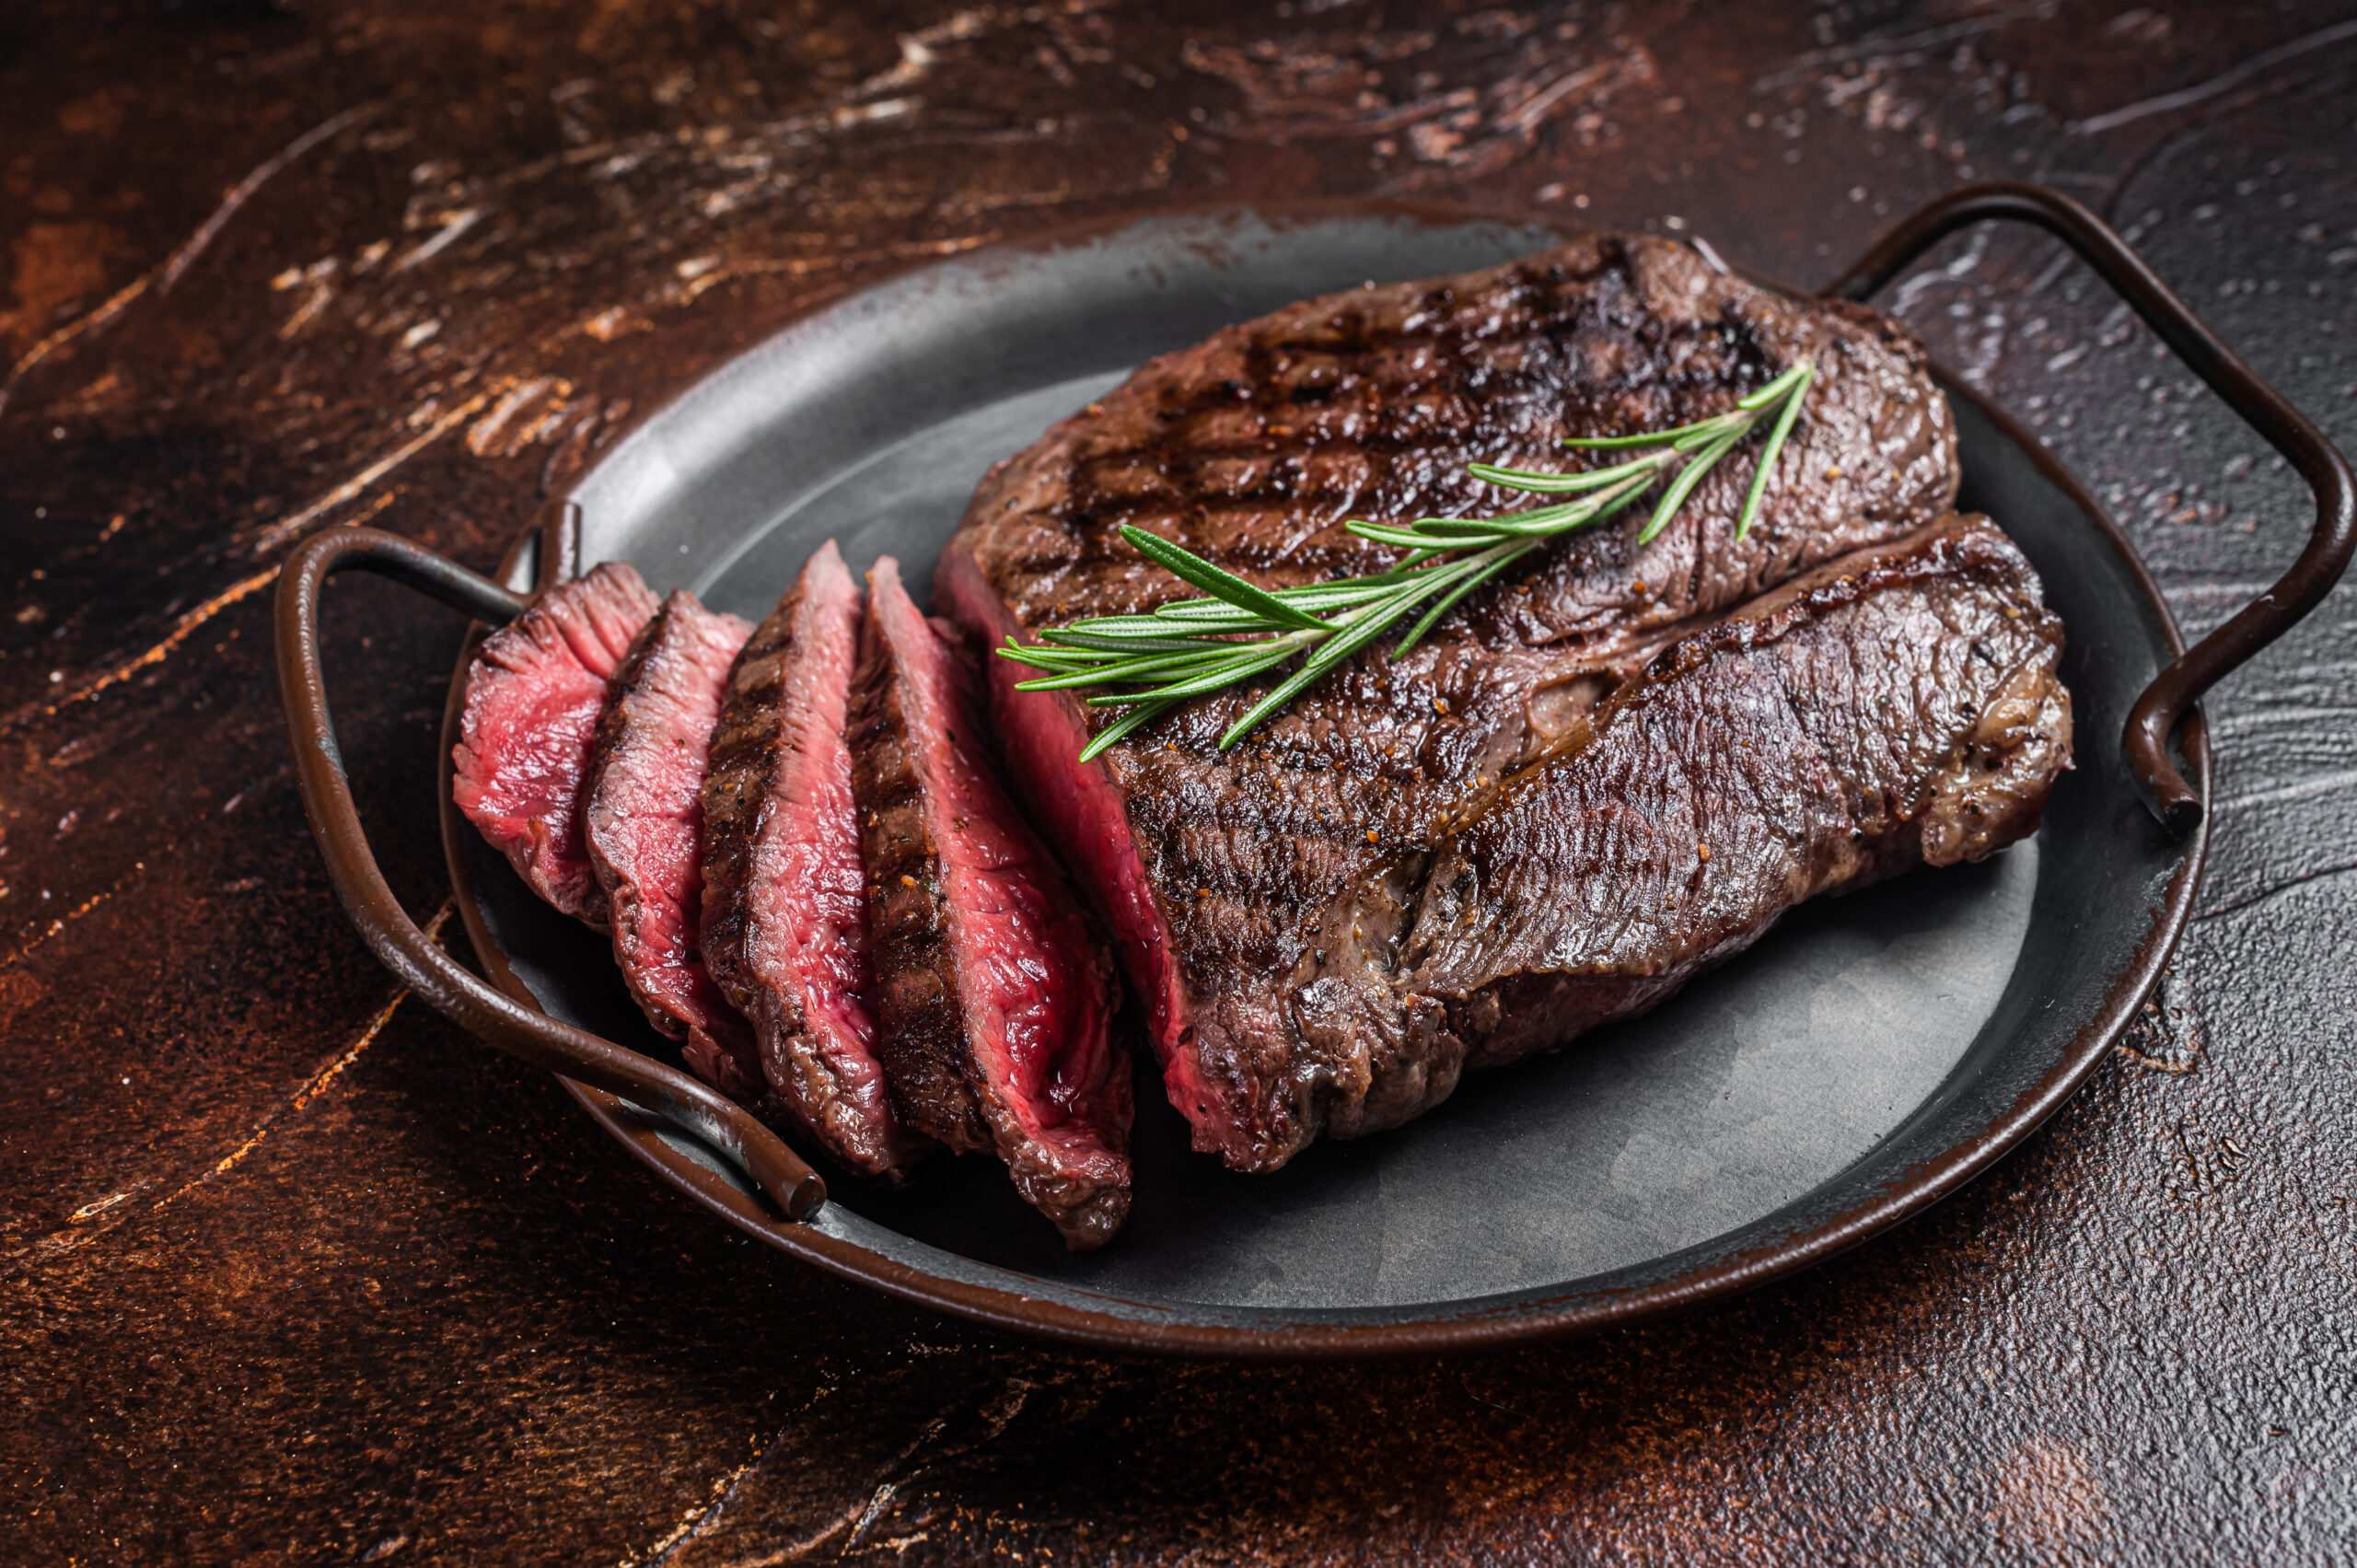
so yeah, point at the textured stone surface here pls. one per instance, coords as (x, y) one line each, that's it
(292, 1271)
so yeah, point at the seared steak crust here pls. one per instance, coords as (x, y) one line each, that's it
(1216, 870)
(784, 904)
(995, 995)
(645, 829)
(1895, 709)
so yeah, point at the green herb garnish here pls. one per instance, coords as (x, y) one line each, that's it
(1195, 646)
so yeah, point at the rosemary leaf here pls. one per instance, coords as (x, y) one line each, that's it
(1342, 595)
(1128, 670)
(1391, 533)
(1801, 374)
(1168, 641)
(1186, 563)
(1547, 483)
(1626, 443)
(1039, 656)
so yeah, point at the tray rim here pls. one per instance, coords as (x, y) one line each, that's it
(1926, 1185)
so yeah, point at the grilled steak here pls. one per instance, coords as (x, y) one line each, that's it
(1895, 709)
(645, 829)
(533, 698)
(995, 994)
(1217, 871)
(784, 899)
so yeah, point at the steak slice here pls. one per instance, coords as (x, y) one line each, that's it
(996, 997)
(1897, 709)
(533, 698)
(645, 830)
(784, 899)
(1215, 870)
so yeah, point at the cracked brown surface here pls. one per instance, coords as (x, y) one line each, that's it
(293, 1271)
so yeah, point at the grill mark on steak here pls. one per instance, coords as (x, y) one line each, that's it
(1252, 448)
(1897, 709)
(533, 697)
(644, 831)
(784, 904)
(995, 996)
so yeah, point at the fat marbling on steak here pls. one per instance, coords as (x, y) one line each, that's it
(1898, 708)
(533, 696)
(644, 831)
(784, 899)
(995, 995)
(1216, 871)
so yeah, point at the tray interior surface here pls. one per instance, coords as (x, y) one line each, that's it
(1862, 1040)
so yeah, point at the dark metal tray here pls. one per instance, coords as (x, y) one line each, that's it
(1869, 1056)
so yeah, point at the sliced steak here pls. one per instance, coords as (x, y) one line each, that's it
(1897, 709)
(996, 997)
(646, 832)
(1217, 871)
(784, 899)
(533, 698)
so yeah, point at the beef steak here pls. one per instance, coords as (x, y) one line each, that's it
(1897, 708)
(645, 830)
(784, 899)
(1216, 870)
(533, 698)
(996, 998)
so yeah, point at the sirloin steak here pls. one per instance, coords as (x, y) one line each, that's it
(996, 996)
(784, 896)
(1216, 870)
(533, 698)
(1894, 709)
(646, 832)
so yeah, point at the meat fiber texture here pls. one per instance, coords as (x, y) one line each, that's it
(784, 924)
(644, 831)
(1217, 871)
(996, 997)
(1895, 709)
(533, 698)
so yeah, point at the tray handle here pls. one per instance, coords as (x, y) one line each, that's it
(2176, 688)
(520, 1032)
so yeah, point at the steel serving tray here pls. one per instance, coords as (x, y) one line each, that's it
(1866, 1058)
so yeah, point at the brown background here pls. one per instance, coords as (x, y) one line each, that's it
(292, 1270)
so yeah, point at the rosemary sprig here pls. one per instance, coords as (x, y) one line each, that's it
(1195, 646)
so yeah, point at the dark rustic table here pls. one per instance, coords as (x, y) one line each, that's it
(293, 1271)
